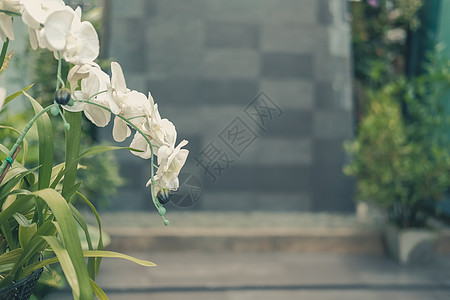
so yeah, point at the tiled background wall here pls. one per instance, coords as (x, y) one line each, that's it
(205, 61)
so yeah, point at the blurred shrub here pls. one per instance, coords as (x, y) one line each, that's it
(401, 151)
(379, 35)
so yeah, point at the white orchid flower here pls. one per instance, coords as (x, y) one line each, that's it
(170, 161)
(14, 6)
(163, 132)
(36, 11)
(160, 132)
(140, 143)
(79, 72)
(6, 25)
(117, 90)
(96, 82)
(77, 41)
(132, 107)
(34, 15)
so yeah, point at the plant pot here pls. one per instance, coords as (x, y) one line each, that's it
(410, 246)
(22, 289)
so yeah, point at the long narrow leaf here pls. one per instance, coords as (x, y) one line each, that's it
(26, 233)
(9, 184)
(101, 149)
(69, 235)
(20, 205)
(66, 264)
(7, 233)
(4, 149)
(73, 137)
(91, 151)
(46, 146)
(21, 219)
(111, 254)
(79, 218)
(31, 251)
(36, 245)
(11, 256)
(98, 291)
(17, 94)
(25, 143)
(100, 234)
(3, 53)
(88, 253)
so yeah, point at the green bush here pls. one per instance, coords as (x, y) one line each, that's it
(401, 151)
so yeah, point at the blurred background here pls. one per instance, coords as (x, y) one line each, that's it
(261, 89)
(268, 92)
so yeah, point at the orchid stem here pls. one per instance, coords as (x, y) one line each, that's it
(58, 75)
(96, 94)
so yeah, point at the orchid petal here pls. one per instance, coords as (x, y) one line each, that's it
(117, 78)
(89, 39)
(57, 27)
(97, 115)
(120, 130)
(140, 143)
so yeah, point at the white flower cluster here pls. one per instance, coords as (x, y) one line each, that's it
(54, 26)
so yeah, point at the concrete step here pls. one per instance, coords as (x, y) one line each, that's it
(311, 240)
(256, 232)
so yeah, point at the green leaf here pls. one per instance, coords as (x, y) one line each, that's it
(79, 218)
(21, 204)
(111, 254)
(33, 249)
(69, 235)
(12, 178)
(91, 151)
(99, 223)
(21, 219)
(101, 149)
(30, 253)
(26, 233)
(88, 253)
(7, 233)
(17, 94)
(13, 172)
(74, 188)
(73, 137)
(25, 143)
(66, 264)
(6, 268)
(98, 291)
(55, 172)
(46, 146)
(10, 257)
(4, 149)
(3, 53)
(94, 253)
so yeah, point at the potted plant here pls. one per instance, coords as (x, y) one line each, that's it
(401, 160)
(38, 219)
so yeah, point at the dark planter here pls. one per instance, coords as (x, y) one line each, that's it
(22, 289)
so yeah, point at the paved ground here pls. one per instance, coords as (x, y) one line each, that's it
(245, 276)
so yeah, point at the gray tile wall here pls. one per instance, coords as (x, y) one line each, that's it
(206, 63)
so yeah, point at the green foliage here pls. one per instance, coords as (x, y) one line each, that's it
(379, 35)
(400, 154)
(101, 178)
